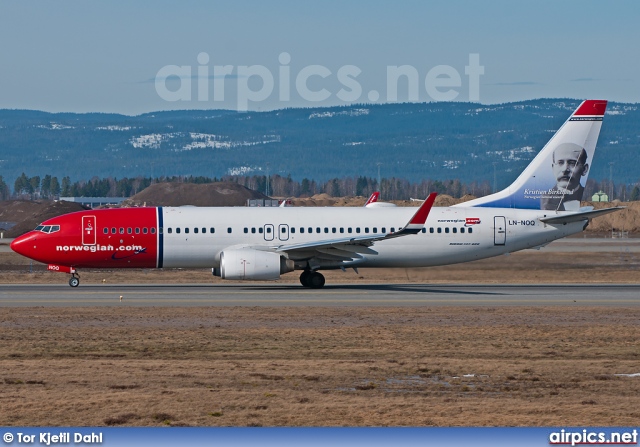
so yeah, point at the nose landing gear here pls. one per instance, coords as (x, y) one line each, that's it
(74, 281)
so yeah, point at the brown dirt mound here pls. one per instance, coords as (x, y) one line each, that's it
(28, 215)
(327, 200)
(179, 194)
(624, 220)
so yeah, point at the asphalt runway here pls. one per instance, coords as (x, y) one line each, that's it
(275, 295)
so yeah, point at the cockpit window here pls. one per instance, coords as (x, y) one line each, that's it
(48, 228)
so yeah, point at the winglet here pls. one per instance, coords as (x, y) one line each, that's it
(373, 198)
(419, 218)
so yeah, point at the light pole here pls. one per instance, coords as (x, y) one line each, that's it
(267, 188)
(495, 178)
(610, 181)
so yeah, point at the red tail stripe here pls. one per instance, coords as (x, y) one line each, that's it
(592, 107)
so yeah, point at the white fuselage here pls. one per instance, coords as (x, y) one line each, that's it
(451, 235)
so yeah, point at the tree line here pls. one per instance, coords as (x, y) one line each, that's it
(50, 187)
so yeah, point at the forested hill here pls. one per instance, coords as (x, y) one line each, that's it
(411, 141)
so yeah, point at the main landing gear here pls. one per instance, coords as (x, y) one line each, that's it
(74, 281)
(311, 279)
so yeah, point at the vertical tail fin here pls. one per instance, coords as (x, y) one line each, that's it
(555, 178)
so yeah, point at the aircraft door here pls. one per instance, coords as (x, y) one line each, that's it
(283, 232)
(268, 232)
(88, 230)
(500, 230)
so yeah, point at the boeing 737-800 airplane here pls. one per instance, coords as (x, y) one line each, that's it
(542, 205)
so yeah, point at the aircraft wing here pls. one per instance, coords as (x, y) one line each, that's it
(349, 248)
(580, 216)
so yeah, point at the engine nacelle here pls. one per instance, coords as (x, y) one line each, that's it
(248, 264)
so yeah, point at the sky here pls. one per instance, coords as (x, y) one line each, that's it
(134, 57)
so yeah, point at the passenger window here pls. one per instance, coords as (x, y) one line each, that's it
(393, 229)
(121, 230)
(470, 230)
(260, 230)
(268, 230)
(105, 230)
(424, 230)
(341, 230)
(293, 229)
(246, 230)
(462, 230)
(357, 229)
(144, 230)
(204, 230)
(212, 230)
(334, 230)
(326, 230)
(455, 230)
(375, 229)
(446, 230)
(301, 229)
(186, 230)
(253, 230)
(195, 230)
(160, 230)
(177, 230)
(317, 229)
(366, 229)
(384, 229)
(170, 230)
(229, 230)
(153, 230)
(113, 231)
(283, 230)
(431, 230)
(349, 230)
(439, 230)
(137, 230)
(129, 230)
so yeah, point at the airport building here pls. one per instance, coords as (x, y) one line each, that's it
(93, 202)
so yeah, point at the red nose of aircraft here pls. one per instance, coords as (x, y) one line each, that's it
(24, 245)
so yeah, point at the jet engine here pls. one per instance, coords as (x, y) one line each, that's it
(249, 264)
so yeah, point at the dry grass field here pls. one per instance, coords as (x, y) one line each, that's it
(321, 366)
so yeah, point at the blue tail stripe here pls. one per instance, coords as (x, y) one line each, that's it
(160, 238)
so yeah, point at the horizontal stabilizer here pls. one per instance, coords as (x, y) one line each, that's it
(577, 217)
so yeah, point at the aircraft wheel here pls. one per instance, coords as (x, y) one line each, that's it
(73, 282)
(316, 280)
(304, 278)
